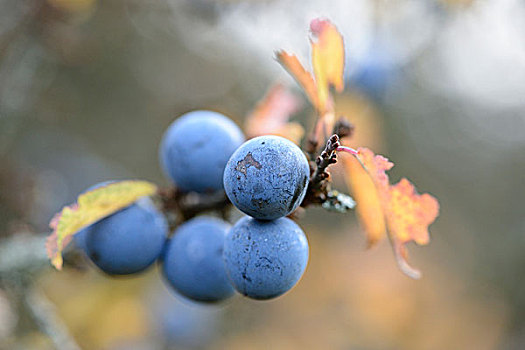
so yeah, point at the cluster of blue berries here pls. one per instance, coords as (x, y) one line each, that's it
(206, 259)
(265, 253)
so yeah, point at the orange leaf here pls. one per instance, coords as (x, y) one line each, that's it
(407, 214)
(376, 166)
(411, 213)
(368, 207)
(272, 113)
(408, 218)
(328, 61)
(300, 74)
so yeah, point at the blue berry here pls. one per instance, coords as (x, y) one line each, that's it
(196, 147)
(265, 259)
(80, 239)
(267, 177)
(193, 262)
(127, 241)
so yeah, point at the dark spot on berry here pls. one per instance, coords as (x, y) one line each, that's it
(244, 277)
(243, 165)
(260, 203)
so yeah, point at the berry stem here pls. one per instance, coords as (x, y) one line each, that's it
(347, 150)
(186, 205)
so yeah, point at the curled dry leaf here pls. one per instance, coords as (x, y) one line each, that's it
(92, 206)
(271, 115)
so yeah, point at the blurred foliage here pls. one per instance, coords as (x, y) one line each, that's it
(88, 87)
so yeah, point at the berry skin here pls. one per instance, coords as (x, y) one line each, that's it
(192, 262)
(196, 147)
(127, 241)
(265, 259)
(267, 177)
(80, 239)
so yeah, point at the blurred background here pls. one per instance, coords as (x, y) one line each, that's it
(87, 88)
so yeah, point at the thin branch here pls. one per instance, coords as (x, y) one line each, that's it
(319, 184)
(48, 321)
(184, 206)
(327, 157)
(23, 255)
(22, 252)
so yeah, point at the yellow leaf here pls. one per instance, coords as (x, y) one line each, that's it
(91, 207)
(328, 66)
(328, 61)
(368, 205)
